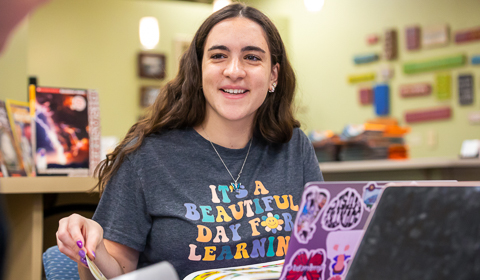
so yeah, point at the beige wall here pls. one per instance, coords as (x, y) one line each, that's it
(323, 45)
(94, 43)
(13, 65)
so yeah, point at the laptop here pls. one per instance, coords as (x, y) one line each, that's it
(327, 230)
(426, 231)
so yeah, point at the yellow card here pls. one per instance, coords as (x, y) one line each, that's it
(94, 270)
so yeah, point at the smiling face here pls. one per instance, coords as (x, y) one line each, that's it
(236, 70)
(272, 222)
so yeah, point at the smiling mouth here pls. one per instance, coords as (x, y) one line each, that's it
(234, 91)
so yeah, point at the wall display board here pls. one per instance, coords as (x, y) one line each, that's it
(467, 35)
(443, 86)
(390, 44)
(474, 118)
(429, 114)
(434, 64)
(476, 59)
(465, 89)
(418, 89)
(385, 73)
(412, 37)
(435, 36)
(372, 39)
(358, 78)
(365, 96)
(365, 58)
(381, 99)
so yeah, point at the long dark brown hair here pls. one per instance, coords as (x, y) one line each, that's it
(181, 102)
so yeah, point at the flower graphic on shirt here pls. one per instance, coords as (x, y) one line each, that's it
(272, 223)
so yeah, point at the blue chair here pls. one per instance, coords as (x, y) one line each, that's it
(58, 266)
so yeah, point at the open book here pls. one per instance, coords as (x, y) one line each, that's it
(264, 271)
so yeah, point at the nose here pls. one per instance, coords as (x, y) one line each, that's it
(235, 69)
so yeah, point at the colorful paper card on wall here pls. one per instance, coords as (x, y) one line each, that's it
(443, 86)
(435, 36)
(467, 35)
(381, 99)
(365, 58)
(372, 39)
(419, 89)
(474, 117)
(430, 114)
(385, 73)
(476, 59)
(390, 44)
(434, 64)
(365, 96)
(465, 89)
(412, 34)
(357, 78)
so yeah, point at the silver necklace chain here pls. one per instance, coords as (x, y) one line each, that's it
(245, 160)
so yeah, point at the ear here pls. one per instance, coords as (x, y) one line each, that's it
(274, 76)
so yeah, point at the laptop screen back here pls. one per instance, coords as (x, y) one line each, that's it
(422, 233)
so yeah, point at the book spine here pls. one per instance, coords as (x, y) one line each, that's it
(94, 131)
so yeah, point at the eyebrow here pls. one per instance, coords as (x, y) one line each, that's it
(244, 49)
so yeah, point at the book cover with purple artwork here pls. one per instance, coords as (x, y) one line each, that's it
(328, 228)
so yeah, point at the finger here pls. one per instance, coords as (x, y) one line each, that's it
(67, 251)
(74, 227)
(72, 254)
(64, 236)
(94, 237)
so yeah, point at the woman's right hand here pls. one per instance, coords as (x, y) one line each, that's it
(77, 236)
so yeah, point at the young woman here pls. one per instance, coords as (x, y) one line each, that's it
(212, 177)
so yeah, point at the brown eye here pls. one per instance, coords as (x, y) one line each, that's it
(252, 57)
(218, 56)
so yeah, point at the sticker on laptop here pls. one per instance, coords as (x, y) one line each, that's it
(313, 202)
(370, 194)
(340, 249)
(305, 264)
(343, 212)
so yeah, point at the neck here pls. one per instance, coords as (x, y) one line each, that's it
(233, 135)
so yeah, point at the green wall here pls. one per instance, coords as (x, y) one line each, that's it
(322, 49)
(94, 44)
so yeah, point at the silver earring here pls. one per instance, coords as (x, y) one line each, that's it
(273, 87)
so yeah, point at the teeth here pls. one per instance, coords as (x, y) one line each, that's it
(234, 91)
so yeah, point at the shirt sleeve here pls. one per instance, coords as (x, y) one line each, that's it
(311, 168)
(122, 210)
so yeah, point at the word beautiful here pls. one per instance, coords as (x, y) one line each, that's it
(262, 223)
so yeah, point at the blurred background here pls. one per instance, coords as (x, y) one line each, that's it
(95, 44)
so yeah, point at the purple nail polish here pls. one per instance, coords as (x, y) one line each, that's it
(84, 261)
(79, 244)
(81, 253)
(95, 256)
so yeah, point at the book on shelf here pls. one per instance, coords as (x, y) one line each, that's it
(21, 125)
(11, 164)
(66, 138)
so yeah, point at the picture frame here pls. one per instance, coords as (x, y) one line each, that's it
(148, 94)
(151, 65)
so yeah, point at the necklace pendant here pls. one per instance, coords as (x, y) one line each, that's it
(234, 186)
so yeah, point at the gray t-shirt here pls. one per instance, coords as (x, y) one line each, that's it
(171, 201)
